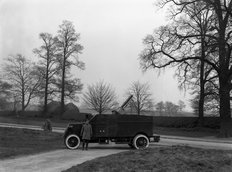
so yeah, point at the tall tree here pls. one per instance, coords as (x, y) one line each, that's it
(220, 33)
(100, 97)
(171, 108)
(142, 96)
(21, 73)
(73, 87)
(47, 65)
(172, 46)
(201, 19)
(160, 107)
(68, 51)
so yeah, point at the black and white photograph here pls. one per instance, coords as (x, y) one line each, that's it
(115, 85)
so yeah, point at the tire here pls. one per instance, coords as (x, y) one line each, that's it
(72, 141)
(140, 141)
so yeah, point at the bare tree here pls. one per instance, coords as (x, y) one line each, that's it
(100, 97)
(5, 95)
(68, 51)
(24, 78)
(160, 107)
(47, 65)
(187, 33)
(181, 105)
(172, 45)
(142, 96)
(171, 108)
(73, 87)
(199, 22)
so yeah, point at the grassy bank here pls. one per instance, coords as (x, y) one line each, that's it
(172, 159)
(15, 142)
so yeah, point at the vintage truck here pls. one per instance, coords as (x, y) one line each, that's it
(134, 130)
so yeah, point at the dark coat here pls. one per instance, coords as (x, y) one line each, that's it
(86, 131)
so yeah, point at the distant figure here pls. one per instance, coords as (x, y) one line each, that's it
(47, 125)
(86, 133)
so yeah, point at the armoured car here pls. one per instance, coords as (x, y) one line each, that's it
(134, 130)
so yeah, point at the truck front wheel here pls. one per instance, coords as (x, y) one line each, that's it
(140, 141)
(72, 141)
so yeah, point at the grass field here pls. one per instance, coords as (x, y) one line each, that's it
(15, 142)
(32, 121)
(163, 159)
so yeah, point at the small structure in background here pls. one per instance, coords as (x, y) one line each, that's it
(71, 107)
(53, 109)
(72, 112)
(47, 126)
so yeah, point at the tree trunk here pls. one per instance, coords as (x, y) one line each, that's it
(62, 88)
(138, 108)
(46, 99)
(23, 99)
(224, 83)
(100, 108)
(46, 92)
(202, 85)
(201, 111)
(225, 112)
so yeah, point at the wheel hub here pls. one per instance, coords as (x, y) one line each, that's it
(141, 142)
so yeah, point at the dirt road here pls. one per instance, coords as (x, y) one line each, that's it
(57, 161)
(32, 127)
(197, 142)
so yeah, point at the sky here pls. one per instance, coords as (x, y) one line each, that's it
(111, 32)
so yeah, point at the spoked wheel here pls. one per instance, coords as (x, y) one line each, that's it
(140, 141)
(72, 141)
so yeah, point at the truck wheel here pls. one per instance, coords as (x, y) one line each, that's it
(140, 141)
(72, 141)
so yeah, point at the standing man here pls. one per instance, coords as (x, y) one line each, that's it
(86, 133)
(47, 126)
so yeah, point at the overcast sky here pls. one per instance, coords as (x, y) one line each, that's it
(111, 33)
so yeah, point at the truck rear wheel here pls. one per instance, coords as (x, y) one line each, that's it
(72, 141)
(140, 141)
